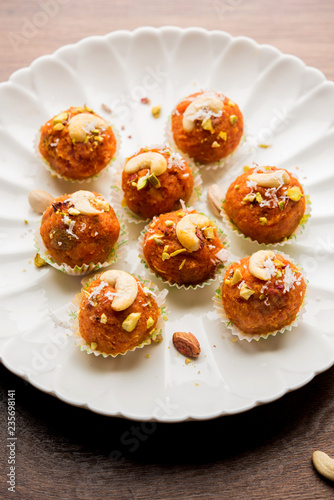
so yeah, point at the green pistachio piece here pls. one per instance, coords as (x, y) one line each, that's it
(208, 233)
(281, 204)
(246, 291)
(279, 274)
(153, 179)
(62, 117)
(207, 124)
(237, 277)
(104, 318)
(93, 346)
(130, 322)
(258, 197)
(177, 252)
(233, 119)
(263, 221)
(182, 264)
(58, 126)
(158, 241)
(150, 322)
(249, 197)
(169, 223)
(294, 193)
(38, 261)
(141, 183)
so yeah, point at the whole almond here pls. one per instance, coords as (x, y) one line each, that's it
(215, 197)
(39, 200)
(187, 344)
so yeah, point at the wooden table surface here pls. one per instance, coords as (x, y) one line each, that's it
(66, 452)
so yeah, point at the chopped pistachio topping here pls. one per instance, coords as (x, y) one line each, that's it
(231, 103)
(153, 179)
(130, 322)
(150, 322)
(157, 337)
(262, 296)
(237, 277)
(258, 197)
(165, 256)
(294, 193)
(237, 186)
(169, 223)
(281, 204)
(158, 241)
(227, 282)
(207, 124)
(62, 117)
(246, 291)
(180, 214)
(249, 197)
(215, 144)
(279, 274)
(156, 110)
(222, 135)
(263, 221)
(103, 318)
(58, 126)
(278, 263)
(208, 233)
(182, 264)
(93, 346)
(233, 119)
(264, 146)
(246, 168)
(141, 183)
(38, 261)
(89, 110)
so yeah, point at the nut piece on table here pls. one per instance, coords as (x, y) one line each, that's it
(39, 200)
(324, 464)
(215, 198)
(187, 344)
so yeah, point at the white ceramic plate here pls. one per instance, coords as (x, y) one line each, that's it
(285, 104)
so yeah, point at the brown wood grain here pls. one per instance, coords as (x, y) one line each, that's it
(65, 452)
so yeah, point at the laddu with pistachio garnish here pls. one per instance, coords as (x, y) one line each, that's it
(263, 293)
(154, 180)
(77, 143)
(79, 228)
(207, 126)
(183, 247)
(117, 313)
(265, 203)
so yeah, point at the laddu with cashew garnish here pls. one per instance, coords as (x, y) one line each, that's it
(263, 293)
(183, 247)
(207, 126)
(266, 204)
(154, 180)
(79, 228)
(117, 313)
(77, 143)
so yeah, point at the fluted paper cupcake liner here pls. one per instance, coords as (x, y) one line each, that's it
(115, 253)
(118, 197)
(225, 242)
(159, 297)
(235, 331)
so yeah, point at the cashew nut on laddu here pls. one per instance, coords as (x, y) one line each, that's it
(257, 265)
(156, 162)
(203, 102)
(126, 288)
(186, 230)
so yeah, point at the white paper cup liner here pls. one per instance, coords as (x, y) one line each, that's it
(224, 240)
(112, 163)
(159, 297)
(243, 152)
(234, 330)
(118, 196)
(287, 241)
(115, 253)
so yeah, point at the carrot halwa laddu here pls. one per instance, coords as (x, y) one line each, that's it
(207, 126)
(117, 313)
(262, 293)
(265, 203)
(77, 143)
(155, 180)
(79, 228)
(183, 247)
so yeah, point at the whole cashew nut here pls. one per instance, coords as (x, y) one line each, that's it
(82, 203)
(270, 179)
(257, 264)
(156, 162)
(324, 464)
(126, 288)
(186, 230)
(202, 103)
(82, 124)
